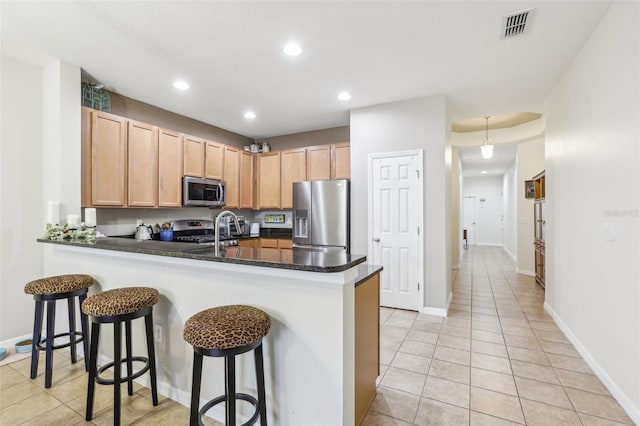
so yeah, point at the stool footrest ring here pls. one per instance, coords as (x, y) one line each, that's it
(124, 379)
(78, 339)
(242, 396)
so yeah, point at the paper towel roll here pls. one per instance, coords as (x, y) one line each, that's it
(90, 217)
(53, 212)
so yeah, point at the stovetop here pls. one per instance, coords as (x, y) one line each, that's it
(199, 231)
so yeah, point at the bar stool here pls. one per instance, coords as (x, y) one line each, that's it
(50, 290)
(227, 331)
(115, 307)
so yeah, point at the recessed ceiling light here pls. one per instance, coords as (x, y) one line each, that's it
(344, 96)
(181, 85)
(484, 172)
(292, 49)
(249, 115)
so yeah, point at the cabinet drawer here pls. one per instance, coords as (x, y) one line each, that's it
(268, 243)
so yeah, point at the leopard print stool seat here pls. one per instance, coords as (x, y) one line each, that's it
(227, 331)
(59, 284)
(48, 291)
(226, 327)
(121, 305)
(120, 301)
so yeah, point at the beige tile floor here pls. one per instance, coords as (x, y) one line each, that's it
(497, 359)
(26, 402)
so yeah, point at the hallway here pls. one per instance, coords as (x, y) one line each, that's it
(497, 359)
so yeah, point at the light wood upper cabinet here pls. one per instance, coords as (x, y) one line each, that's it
(246, 180)
(232, 176)
(319, 162)
(214, 160)
(108, 159)
(341, 161)
(294, 169)
(142, 147)
(169, 168)
(268, 181)
(193, 156)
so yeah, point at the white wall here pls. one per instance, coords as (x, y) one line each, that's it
(21, 194)
(593, 178)
(530, 161)
(456, 209)
(509, 209)
(399, 126)
(489, 213)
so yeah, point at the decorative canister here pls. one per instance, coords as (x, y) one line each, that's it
(265, 147)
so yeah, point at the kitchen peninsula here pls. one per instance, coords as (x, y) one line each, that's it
(319, 369)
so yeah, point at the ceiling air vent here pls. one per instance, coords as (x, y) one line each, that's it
(516, 23)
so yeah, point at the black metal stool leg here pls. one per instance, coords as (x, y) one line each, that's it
(127, 337)
(194, 418)
(85, 331)
(93, 368)
(51, 321)
(262, 402)
(72, 329)
(148, 322)
(35, 339)
(230, 390)
(117, 370)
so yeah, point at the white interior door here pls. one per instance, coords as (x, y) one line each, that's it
(469, 218)
(395, 218)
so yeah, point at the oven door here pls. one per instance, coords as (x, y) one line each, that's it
(203, 192)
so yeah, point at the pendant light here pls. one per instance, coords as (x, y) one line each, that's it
(487, 145)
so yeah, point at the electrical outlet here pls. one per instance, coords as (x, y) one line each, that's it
(158, 333)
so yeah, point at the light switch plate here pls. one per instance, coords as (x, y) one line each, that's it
(608, 231)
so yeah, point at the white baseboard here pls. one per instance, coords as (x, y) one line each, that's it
(525, 272)
(511, 255)
(625, 402)
(439, 312)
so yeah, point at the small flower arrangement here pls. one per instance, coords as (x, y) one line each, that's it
(69, 232)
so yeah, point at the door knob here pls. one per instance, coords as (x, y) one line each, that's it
(377, 240)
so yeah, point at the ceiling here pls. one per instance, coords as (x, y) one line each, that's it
(495, 122)
(231, 55)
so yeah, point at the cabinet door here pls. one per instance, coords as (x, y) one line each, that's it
(268, 180)
(108, 159)
(246, 180)
(294, 169)
(193, 156)
(367, 344)
(169, 169)
(214, 159)
(319, 162)
(341, 161)
(142, 147)
(232, 176)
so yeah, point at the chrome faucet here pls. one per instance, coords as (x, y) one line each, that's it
(217, 227)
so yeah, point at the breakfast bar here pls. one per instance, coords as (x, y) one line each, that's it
(318, 369)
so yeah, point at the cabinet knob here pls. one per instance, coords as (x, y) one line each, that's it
(377, 240)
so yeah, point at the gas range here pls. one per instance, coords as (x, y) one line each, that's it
(199, 231)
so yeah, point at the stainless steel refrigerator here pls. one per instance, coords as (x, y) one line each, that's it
(321, 215)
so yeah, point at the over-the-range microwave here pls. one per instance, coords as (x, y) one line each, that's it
(203, 192)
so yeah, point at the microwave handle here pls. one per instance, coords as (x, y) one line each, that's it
(220, 192)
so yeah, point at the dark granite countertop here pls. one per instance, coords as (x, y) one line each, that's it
(366, 271)
(294, 259)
